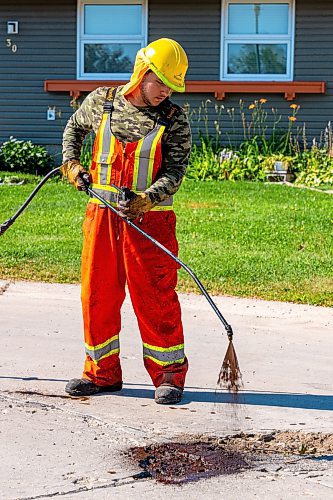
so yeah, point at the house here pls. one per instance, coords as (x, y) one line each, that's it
(54, 52)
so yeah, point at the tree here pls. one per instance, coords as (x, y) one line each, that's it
(104, 58)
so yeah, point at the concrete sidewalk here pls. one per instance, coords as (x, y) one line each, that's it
(52, 445)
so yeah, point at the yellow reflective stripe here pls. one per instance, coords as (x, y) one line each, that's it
(113, 142)
(165, 363)
(114, 351)
(101, 137)
(136, 164)
(100, 144)
(164, 349)
(99, 202)
(161, 208)
(99, 346)
(104, 187)
(155, 209)
(152, 156)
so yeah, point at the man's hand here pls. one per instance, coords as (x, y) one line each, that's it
(134, 204)
(76, 174)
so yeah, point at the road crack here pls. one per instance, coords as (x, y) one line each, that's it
(114, 484)
(84, 416)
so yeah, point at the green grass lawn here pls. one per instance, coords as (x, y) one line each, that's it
(245, 239)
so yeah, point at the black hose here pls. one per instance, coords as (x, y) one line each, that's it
(5, 225)
(162, 247)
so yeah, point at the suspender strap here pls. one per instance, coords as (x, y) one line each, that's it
(144, 159)
(144, 154)
(105, 138)
(108, 103)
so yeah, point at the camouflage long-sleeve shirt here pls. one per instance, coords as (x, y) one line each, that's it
(130, 124)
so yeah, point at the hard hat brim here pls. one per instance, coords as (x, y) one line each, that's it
(172, 86)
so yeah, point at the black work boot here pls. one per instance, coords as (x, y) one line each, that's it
(84, 387)
(168, 394)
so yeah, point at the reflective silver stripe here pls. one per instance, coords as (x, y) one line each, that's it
(106, 141)
(103, 173)
(164, 356)
(145, 158)
(97, 354)
(104, 167)
(107, 195)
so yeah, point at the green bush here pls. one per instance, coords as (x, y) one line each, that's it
(24, 156)
(251, 153)
(226, 164)
(204, 162)
(245, 147)
(314, 168)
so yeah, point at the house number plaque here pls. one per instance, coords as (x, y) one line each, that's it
(11, 46)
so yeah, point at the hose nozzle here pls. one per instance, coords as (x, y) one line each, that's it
(127, 194)
(86, 181)
(230, 333)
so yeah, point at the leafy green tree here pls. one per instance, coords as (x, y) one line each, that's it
(259, 59)
(103, 58)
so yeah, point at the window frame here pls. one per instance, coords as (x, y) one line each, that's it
(82, 39)
(226, 39)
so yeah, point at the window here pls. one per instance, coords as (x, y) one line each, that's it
(110, 32)
(257, 40)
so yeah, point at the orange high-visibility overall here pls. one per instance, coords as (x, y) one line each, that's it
(114, 253)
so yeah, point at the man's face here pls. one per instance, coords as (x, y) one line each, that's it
(153, 90)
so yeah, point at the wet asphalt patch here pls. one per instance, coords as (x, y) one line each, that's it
(179, 463)
(194, 458)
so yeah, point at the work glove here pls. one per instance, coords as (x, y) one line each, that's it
(134, 205)
(76, 174)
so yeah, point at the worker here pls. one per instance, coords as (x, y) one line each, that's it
(142, 142)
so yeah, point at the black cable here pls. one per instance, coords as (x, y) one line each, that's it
(164, 249)
(5, 225)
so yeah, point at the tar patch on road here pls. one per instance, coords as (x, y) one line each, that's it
(200, 457)
(185, 462)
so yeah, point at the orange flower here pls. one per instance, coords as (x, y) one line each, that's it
(293, 106)
(262, 101)
(292, 118)
(252, 106)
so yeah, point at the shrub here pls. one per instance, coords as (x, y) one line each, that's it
(268, 162)
(314, 168)
(24, 156)
(251, 143)
(204, 162)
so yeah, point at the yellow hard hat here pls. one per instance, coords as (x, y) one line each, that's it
(166, 58)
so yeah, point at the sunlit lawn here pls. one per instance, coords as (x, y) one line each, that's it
(245, 239)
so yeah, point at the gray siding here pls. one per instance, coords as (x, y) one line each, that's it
(196, 26)
(314, 59)
(47, 50)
